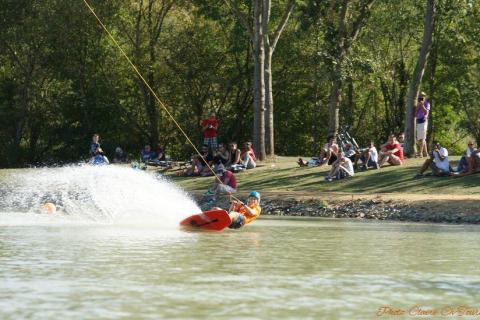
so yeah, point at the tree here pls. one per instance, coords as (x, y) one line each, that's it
(264, 44)
(142, 23)
(343, 29)
(270, 44)
(417, 78)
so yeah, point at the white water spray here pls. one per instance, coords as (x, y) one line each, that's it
(105, 194)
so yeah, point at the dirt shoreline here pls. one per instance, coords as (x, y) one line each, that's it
(438, 208)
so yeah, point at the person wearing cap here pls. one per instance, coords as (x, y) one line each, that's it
(99, 158)
(242, 213)
(422, 111)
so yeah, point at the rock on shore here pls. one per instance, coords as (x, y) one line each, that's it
(368, 209)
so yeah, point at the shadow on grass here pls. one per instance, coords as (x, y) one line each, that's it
(385, 180)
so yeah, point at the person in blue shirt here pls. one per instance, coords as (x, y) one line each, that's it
(147, 153)
(99, 158)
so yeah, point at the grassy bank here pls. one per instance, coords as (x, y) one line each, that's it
(284, 175)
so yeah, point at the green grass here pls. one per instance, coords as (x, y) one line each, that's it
(285, 175)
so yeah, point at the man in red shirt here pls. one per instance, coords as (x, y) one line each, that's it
(210, 127)
(226, 185)
(391, 152)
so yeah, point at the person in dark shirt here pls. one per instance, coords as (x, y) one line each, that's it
(205, 161)
(95, 144)
(221, 155)
(159, 153)
(147, 153)
(120, 156)
(99, 158)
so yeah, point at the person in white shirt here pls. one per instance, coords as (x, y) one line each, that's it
(471, 162)
(438, 162)
(341, 168)
(370, 157)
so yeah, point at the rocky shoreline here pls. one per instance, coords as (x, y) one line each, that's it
(457, 212)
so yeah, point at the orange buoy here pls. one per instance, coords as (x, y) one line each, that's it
(49, 208)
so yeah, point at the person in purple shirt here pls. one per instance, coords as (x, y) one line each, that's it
(422, 110)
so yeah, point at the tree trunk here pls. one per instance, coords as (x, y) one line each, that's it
(431, 91)
(270, 45)
(259, 83)
(269, 126)
(334, 102)
(346, 34)
(412, 95)
(263, 48)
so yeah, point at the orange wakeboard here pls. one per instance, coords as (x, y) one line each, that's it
(208, 220)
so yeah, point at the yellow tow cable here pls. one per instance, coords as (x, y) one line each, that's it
(153, 92)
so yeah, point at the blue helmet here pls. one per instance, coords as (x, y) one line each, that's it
(255, 194)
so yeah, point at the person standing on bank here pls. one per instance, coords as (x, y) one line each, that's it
(210, 127)
(422, 111)
(94, 145)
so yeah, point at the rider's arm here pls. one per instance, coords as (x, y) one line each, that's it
(393, 151)
(441, 155)
(249, 211)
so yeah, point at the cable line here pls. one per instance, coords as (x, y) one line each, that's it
(152, 91)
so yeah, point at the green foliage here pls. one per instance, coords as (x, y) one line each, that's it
(62, 79)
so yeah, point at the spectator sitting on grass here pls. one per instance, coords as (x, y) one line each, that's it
(247, 157)
(221, 155)
(370, 157)
(206, 161)
(120, 156)
(463, 163)
(196, 167)
(199, 163)
(438, 162)
(147, 154)
(473, 164)
(328, 155)
(351, 154)
(391, 152)
(234, 160)
(401, 140)
(159, 153)
(99, 158)
(341, 168)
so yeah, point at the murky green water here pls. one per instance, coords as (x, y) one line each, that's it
(319, 269)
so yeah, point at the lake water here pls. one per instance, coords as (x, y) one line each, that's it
(270, 269)
(114, 250)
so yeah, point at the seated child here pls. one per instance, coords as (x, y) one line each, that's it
(341, 168)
